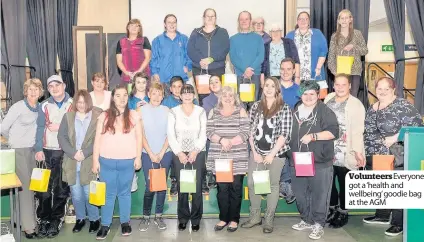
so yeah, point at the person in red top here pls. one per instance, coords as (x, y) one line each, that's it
(133, 53)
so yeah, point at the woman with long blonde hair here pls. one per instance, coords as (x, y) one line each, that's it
(347, 41)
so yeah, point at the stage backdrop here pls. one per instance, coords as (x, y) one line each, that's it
(190, 13)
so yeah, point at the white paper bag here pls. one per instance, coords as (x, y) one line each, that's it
(223, 165)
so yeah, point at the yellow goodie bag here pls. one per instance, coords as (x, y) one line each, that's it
(344, 64)
(97, 195)
(247, 91)
(40, 178)
(230, 80)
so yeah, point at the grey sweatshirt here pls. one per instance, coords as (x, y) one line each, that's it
(20, 124)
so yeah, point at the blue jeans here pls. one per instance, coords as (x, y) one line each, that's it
(148, 196)
(118, 175)
(256, 79)
(285, 173)
(79, 196)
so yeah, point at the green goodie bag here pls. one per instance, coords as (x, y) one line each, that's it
(7, 158)
(187, 181)
(261, 182)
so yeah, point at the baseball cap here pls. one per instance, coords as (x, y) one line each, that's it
(54, 78)
(275, 27)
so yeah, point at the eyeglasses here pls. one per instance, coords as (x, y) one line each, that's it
(210, 17)
(259, 23)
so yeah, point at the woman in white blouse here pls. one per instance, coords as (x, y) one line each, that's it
(187, 138)
(100, 95)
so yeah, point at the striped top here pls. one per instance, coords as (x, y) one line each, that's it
(228, 127)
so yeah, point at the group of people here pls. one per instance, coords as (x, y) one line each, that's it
(157, 122)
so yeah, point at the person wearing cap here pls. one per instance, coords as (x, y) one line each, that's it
(51, 208)
(276, 50)
(247, 53)
(259, 27)
(187, 139)
(315, 128)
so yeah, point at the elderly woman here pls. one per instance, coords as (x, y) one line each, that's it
(270, 128)
(347, 41)
(348, 148)
(277, 50)
(76, 138)
(312, 48)
(187, 139)
(19, 127)
(133, 52)
(383, 122)
(315, 127)
(100, 95)
(208, 47)
(228, 131)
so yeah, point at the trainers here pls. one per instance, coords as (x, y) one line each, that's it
(394, 231)
(340, 220)
(301, 226)
(144, 224)
(331, 214)
(102, 233)
(173, 191)
(159, 222)
(126, 229)
(317, 232)
(376, 220)
(43, 228)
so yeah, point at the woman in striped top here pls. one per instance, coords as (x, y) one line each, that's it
(228, 131)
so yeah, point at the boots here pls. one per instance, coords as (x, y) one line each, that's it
(268, 222)
(254, 219)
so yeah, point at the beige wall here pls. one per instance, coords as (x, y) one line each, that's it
(113, 15)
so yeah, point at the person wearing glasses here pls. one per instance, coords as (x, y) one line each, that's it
(259, 27)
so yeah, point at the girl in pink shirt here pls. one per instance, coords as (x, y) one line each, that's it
(116, 155)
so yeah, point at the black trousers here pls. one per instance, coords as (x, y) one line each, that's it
(340, 172)
(355, 81)
(184, 213)
(51, 204)
(229, 198)
(218, 72)
(397, 214)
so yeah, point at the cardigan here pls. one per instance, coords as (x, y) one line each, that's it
(66, 137)
(355, 117)
(319, 49)
(290, 50)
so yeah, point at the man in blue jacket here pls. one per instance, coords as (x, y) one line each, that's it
(247, 53)
(169, 53)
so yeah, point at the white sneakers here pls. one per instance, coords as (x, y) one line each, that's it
(317, 229)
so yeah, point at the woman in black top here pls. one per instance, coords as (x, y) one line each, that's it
(383, 122)
(315, 127)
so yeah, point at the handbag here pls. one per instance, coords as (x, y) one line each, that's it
(188, 180)
(229, 80)
(40, 178)
(344, 63)
(157, 179)
(7, 158)
(224, 170)
(396, 150)
(323, 87)
(97, 195)
(247, 91)
(261, 181)
(202, 83)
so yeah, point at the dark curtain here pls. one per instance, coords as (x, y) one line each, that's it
(113, 72)
(395, 11)
(92, 55)
(415, 10)
(361, 15)
(67, 12)
(324, 15)
(42, 37)
(14, 28)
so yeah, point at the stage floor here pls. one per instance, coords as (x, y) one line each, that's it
(354, 231)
